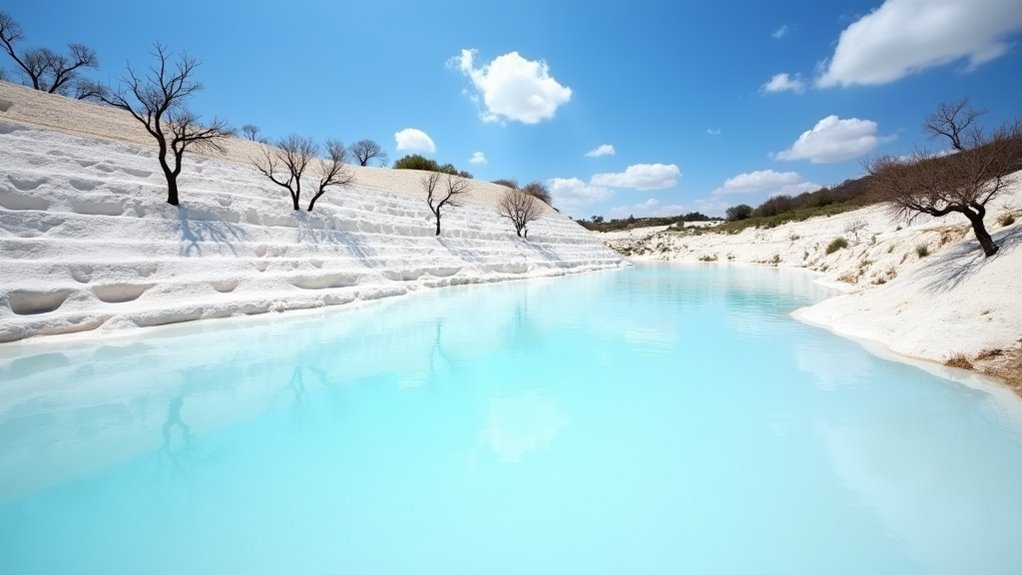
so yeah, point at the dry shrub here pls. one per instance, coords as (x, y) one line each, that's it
(837, 244)
(958, 360)
(989, 354)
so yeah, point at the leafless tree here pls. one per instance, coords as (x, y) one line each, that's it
(45, 69)
(334, 171)
(157, 101)
(447, 195)
(955, 121)
(86, 89)
(365, 150)
(519, 207)
(538, 190)
(962, 182)
(251, 131)
(286, 162)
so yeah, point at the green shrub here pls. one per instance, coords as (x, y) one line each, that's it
(739, 212)
(419, 162)
(837, 244)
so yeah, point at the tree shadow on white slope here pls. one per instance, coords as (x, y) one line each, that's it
(312, 230)
(544, 251)
(199, 226)
(469, 254)
(951, 267)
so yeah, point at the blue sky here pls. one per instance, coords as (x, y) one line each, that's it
(690, 96)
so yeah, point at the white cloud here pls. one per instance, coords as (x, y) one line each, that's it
(477, 158)
(413, 140)
(780, 32)
(713, 131)
(513, 88)
(640, 177)
(572, 195)
(758, 181)
(834, 140)
(905, 36)
(765, 182)
(650, 208)
(785, 83)
(604, 150)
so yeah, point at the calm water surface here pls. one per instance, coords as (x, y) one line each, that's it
(653, 420)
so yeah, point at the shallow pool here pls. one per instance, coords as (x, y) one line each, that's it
(652, 420)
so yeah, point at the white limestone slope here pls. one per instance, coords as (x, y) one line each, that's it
(87, 241)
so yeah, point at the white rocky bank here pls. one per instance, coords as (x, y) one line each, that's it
(923, 289)
(87, 241)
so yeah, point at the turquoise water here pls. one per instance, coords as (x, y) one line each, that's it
(652, 420)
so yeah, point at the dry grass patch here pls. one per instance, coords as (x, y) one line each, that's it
(958, 360)
(1004, 364)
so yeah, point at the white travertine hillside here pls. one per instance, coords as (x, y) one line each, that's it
(922, 288)
(87, 241)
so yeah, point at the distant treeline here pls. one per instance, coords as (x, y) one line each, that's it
(597, 223)
(853, 191)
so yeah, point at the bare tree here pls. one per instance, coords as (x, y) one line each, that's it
(45, 69)
(954, 121)
(365, 150)
(157, 101)
(519, 207)
(251, 131)
(538, 190)
(333, 172)
(962, 182)
(448, 195)
(86, 89)
(285, 163)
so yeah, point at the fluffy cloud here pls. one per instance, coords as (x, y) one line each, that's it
(785, 83)
(513, 88)
(766, 182)
(604, 150)
(780, 32)
(572, 194)
(416, 141)
(477, 158)
(904, 36)
(640, 177)
(834, 140)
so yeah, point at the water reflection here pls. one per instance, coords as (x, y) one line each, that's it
(521, 424)
(175, 444)
(662, 404)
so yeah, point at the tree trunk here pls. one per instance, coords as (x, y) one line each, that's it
(172, 189)
(313, 201)
(294, 203)
(438, 224)
(985, 241)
